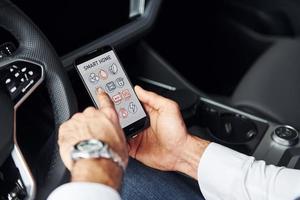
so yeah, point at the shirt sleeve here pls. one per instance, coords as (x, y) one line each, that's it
(226, 174)
(83, 191)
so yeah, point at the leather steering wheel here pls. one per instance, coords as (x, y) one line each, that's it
(40, 60)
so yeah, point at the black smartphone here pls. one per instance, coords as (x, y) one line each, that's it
(102, 68)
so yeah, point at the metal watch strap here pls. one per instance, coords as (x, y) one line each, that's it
(105, 152)
(117, 159)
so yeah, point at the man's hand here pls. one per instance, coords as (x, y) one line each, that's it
(166, 144)
(102, 124)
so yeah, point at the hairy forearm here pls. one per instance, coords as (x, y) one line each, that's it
(97, 171)
(189, 158)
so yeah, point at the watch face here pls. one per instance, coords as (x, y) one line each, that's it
(89, 145)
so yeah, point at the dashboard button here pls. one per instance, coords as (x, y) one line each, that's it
(285, 135)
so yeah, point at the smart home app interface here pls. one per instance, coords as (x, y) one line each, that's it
(106, 72)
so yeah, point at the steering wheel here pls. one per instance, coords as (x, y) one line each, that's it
(35, 61)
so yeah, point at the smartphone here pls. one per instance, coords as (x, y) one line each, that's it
(102, 68)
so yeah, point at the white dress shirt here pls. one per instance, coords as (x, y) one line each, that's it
(222, 174)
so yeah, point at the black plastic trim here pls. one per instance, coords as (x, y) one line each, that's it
(121, 36)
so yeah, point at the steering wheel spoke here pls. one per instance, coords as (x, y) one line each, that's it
(20, 78)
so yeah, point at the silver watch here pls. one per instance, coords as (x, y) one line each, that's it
(93, 148)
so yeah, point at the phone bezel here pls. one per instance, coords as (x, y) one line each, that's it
(132, 129)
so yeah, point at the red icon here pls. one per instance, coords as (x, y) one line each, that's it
(117, 98)
(123, 113)
(103, 74)
(126, 94)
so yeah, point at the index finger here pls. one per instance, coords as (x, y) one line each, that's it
(104, 99)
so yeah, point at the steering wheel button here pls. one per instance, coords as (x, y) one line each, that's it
(12, 90)
(7, 81)
(26, 77)
(22, 80)
(17, 74)
(30, 73)
(27, 86)
(24, 69)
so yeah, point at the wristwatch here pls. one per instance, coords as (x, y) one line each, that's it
(93, 148)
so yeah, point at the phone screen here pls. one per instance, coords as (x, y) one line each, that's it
(103, 69)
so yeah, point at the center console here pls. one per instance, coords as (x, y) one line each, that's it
(265, 140)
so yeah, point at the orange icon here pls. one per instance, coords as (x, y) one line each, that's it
(96, 90)
(103, 74)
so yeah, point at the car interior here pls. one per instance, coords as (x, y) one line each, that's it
(231, 65)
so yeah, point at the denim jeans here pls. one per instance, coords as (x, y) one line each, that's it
(144, 183)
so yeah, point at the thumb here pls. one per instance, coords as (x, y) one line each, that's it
(134, 144)
(150, 98)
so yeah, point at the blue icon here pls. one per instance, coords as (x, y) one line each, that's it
(110, 86)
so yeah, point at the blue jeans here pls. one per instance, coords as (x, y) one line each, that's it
(144, 183)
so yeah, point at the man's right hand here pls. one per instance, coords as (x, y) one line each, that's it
(166, 144)
(100, 124)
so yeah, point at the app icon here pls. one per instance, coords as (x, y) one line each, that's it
(110, 86)
(113, 69)
(93, 78)
(132, 107)
(117, 98)
(96, 90)
(126, 94)
(123, 113)
(103, 74)
(120, 82)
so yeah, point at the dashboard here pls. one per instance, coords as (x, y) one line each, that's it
(71, 24)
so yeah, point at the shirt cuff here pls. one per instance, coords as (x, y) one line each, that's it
(219, 171)
(82, 191)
